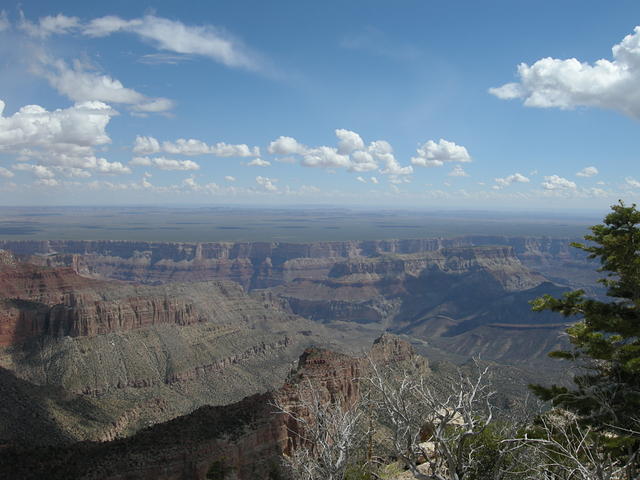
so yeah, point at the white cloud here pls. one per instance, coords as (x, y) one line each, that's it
(146, 145)
(267, 183)
(149, 145)
(164, 163)
(362, 162)
(72, 172)
(383, 152)
(185, 147)
(432, 154)
(286, 146)
(587, 172)
(327, 157)
(111, 168)
(374, 180)
(154, 105)
(632, 182)
(566, 84)
(360, 179)
(554, 182)
(47, 182)
(258, 162)
(38, 171)
(175, 36)
(458, 171)
(50, 25)
(6, 173)
(229, 178)
(348, 141)
(80, 83)
(222, 149)
(350, 154)
(508, 180)
(64, 137)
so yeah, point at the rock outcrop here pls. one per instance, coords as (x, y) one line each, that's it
(246, 439)
(169, 348)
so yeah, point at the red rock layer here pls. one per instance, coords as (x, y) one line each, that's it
(39, 301)
(248, 437)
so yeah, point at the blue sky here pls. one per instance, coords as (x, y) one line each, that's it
(463, 104)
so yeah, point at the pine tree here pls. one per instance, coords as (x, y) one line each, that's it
(606, 339)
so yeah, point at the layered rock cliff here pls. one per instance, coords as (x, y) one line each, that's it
(141, 354)
(245, 438)
(263, 265)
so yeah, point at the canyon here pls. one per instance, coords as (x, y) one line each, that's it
(101, 340)
(265, 264)
(247, 437)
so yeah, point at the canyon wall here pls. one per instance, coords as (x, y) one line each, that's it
(247, 438)
(257, 264)
(139, 354)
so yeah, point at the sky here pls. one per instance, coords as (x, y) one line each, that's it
(416, 104)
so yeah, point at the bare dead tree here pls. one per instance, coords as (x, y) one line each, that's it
(431, 424)
(327, 433)
(563, 449)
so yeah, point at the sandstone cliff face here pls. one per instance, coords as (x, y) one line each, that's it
(465, 300)
(169, 348)
(247, 437)
(58, 302)
(259, 264)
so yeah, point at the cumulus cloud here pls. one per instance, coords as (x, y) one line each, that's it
(432, 154)
(587, 172)
(258, 162)
(570, 83)
(382, 151)
(555, 182)
(351, 154)
(38, 171)
(362, 161)
(348, 141)
(50, 25)
(6, 173)
(164, 163)
(508, 180)
(174, 36)
(144, 145)
(110, 168)
(222, 149)
(267, 183)
(286, 146)
(183, 147)
(458, 171)
(325, 157)
(63, 137)
(79, 83)
(374, 180)
(361, 179)
(229, 178)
